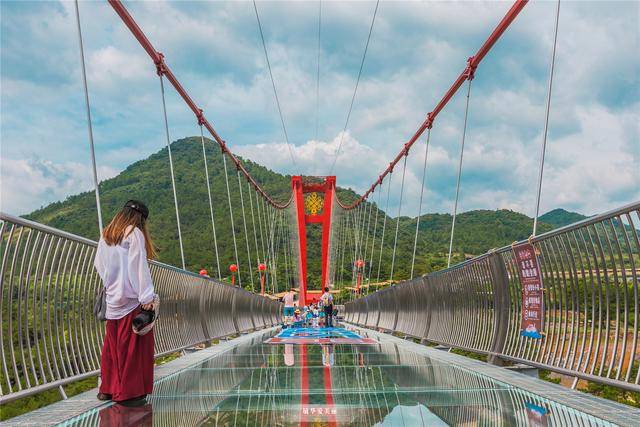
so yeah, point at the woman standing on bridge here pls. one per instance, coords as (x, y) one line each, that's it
(126, 367)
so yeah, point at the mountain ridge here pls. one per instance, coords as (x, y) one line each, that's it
(149, 180)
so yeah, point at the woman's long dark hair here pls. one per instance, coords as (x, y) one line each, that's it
(132, 214)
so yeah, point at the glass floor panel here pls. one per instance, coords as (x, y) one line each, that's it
(261, 384)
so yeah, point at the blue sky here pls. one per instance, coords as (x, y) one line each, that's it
(416, 50)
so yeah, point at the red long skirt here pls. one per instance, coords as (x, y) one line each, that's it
(126, 367)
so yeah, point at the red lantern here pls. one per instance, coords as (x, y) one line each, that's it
(233, 269)
(262, 268)
(359, 265)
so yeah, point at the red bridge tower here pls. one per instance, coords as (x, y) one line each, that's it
(319, 212)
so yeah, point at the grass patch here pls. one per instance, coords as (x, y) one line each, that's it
(27, 404)
(469, 354)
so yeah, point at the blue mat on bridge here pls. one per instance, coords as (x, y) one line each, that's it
(318, 336)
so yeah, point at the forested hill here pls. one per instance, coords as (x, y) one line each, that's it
(149, 181)
(560, 217)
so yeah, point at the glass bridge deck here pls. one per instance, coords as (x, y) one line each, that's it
(377, 383)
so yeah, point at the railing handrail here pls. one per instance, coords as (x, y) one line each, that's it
(47, 288)
(633, 206)
(74, 237)
(45, 228)
(591, 275)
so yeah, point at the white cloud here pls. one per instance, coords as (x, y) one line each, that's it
(416, 51)
(26, 180)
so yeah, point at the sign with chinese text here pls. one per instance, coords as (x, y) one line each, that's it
(537, 416)
(531, 283)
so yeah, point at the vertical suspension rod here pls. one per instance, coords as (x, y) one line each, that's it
(89, 123)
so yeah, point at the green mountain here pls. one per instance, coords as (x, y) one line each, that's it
(149, 180)
(560, 217)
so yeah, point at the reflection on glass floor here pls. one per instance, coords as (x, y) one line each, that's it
(381, 384)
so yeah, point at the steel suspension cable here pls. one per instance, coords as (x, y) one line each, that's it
(455, 206)
(283, 244)
(373, 240)
(285, 250)
(262, 234)
(173, 179)
(273, 84)
(395, 240)
(253, 222)
(363, 216)
(233, 227)
(318, 69)
(384, 226)
(355, 90)
(546, 119)
(275, 250)
(363, 221)
(272, 237)
(356, 238)
(344, 246)
(246, 234)
(472, 63)
(366, 242)
(213, 222)
(262, 213)
(424, 174)
(336, 250)
(92, 151)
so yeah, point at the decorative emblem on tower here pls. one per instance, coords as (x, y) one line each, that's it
(314, 203)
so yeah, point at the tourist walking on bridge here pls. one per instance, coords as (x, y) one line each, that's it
(288, 300)
(327, 303)
(126, 367)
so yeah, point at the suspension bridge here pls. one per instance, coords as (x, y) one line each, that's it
(563, 301)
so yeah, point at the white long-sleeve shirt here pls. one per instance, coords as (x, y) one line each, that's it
(125, 274)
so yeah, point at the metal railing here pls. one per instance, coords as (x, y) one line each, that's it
(590, 272)
(48, 333)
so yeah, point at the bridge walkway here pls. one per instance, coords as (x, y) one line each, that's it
(378, 380)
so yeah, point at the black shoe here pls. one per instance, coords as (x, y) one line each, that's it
(135, 402)
(104, 396)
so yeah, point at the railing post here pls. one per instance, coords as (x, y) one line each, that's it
(426, 311)
(397, 309)
(501, 305)
(233, 310)
(202, 305)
